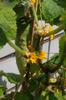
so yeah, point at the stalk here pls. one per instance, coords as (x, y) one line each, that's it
(20, 51)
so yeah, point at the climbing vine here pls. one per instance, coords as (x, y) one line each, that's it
(41, 77)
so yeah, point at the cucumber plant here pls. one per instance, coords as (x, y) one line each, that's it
(38, 80)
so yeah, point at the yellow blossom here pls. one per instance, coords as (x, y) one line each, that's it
(51, 28)
(32, 58)
(51, 36)
(52, 80)
(42, 55)
(33, 1)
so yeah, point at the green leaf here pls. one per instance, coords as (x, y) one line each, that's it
(52, 96)
(2, 91)
(54, 59)
(3, 39)
(61, 3)
(23, 96)
(23, 32)
(59, 95)
(34, 82)
(21, 42)
(8, 21)
(62, 46)
(62, 50)
(41, 77)
(63, 18)
(43, 96)
(51, 10)
(64, 63)
(36, 42)
(12, 78)
(9, 96)
(34, 68)
(21, 9)
(33, 85)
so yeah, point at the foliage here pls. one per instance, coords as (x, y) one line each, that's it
(7, 22)
(48, 13)
(38, 80)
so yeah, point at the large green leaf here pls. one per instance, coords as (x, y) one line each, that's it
(21, 41)
(33, 85)
(12, 78)
(21, 9)
(59, 95)
(51, 10)
(22, 37)
(35, 82)
(54, 59)
(8, 20)
(7, 23)
(23, 96)
(2, 91)
(61, 3)
(51, 96)
(34, 68)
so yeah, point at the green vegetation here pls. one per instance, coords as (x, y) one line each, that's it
(7, 20)
(38, 80)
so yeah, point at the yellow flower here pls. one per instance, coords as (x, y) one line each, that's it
(32, 58)
(51, 28)
(33, 1)
(51, 36)
(42, 55)
(52, 80)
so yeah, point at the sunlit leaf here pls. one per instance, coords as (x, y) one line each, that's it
(2, 91)
(50, 9)
(12, 78)
(3, 39)
(23, 96)
(8, 20)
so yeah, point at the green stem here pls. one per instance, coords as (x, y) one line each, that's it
(35, 15)
(16, 47)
